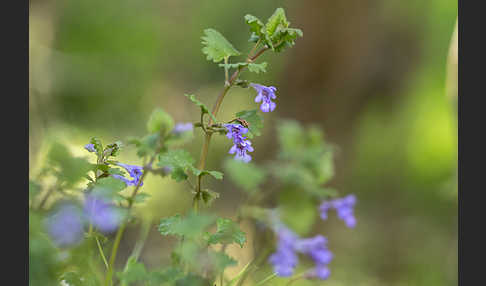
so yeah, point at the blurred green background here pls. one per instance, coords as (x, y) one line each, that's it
(373, 74)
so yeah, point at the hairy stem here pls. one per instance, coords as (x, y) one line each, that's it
(214, 111)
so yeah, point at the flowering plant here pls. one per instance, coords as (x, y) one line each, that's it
(95, 219)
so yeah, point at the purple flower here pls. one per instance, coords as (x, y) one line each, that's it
(134, 171)
(240, 143)
(90, 147)
(320, 271)
(101, 213)
(182, 127)
(285, 259)
(265, 95)
(65, 225)
(344, 208)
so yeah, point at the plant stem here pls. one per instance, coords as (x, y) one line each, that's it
(101, 252)
(118, 237)
(119, 233)
(270, 277)
(214, 111)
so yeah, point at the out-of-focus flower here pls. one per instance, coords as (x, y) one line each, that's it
(65, 225)
(101, 213)
(90, 147)
(241, 144)
(182, 127)
(285, 259)
(265, 95)
(344, 208)
(134, 171)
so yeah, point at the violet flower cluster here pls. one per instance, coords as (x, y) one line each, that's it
(90, 147)
(265, 96)
(285, 259)
(134, 171)
(241, 144)
(344, 209)
(66, 224)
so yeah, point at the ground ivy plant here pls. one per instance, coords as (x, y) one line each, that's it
(75, 240)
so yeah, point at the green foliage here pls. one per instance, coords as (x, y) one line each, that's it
(160, 122)
(227, 232)
(110, 183)
(168, 275)
(147, 145)
(193, 225)
(219, 260)
(247, 176)
(69, 170)
(179, 160)
(208, 196)
(252, 67)
(97, 146)
(254, 119)
(204, 108)
(216, 47)
(43, 262)
(193, 280)
(276, 33)
(256, 25)
(134, 271)
(257, 68)
(305, 160)
(112, 149)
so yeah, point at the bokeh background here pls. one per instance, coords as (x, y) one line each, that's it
(378, 76)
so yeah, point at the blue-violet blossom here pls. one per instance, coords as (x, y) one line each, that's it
(182, 127)
(265, 95)
(134, 171)
(240, 143)
(65, 225)
(285, 259)
(101, 213)
(344, 208)
(90, 147)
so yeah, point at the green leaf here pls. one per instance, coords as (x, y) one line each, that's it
(217, 175)
(193, 280)
(233, 66)
(170, 274)
(146, 145)
(116, 171)
(134, 271)
(277, 20)
(179, 160)
(220, 261)
(216, 47)
(71, 169)
(209, 196)
(110, 183)
(256, 26)
(254, 119)
(112, 149)
(227, 232)
(166, 226)
(160, 122)
(247, 176)
(191, 226)
(204, 108)
(257, 68)
(141, 197)
(97, 145)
